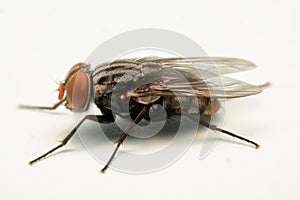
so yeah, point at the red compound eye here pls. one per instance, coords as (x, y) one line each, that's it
(78, 90)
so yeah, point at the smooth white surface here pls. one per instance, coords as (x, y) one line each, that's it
(41, 40)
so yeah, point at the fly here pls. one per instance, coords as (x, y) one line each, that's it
(195, 84)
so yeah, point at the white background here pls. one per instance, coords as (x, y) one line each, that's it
(41, 40)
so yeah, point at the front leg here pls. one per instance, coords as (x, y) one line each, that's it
(43, 107)
(95, 118)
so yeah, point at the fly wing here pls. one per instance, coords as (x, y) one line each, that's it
(196, 77)
(220, 65)
(218, 87)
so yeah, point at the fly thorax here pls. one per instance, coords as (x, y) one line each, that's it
(103, 96)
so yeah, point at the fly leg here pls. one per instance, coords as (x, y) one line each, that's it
(124, 135)
(96, 118)
(43, 107)
(215, 128)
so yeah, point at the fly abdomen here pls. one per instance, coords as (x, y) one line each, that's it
(191, 105)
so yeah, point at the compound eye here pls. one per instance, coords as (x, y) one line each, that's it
(77, 90)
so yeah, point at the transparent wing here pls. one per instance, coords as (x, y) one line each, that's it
(221, 65)
(216, 87)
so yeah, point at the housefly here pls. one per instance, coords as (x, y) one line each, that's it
(144, 82)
